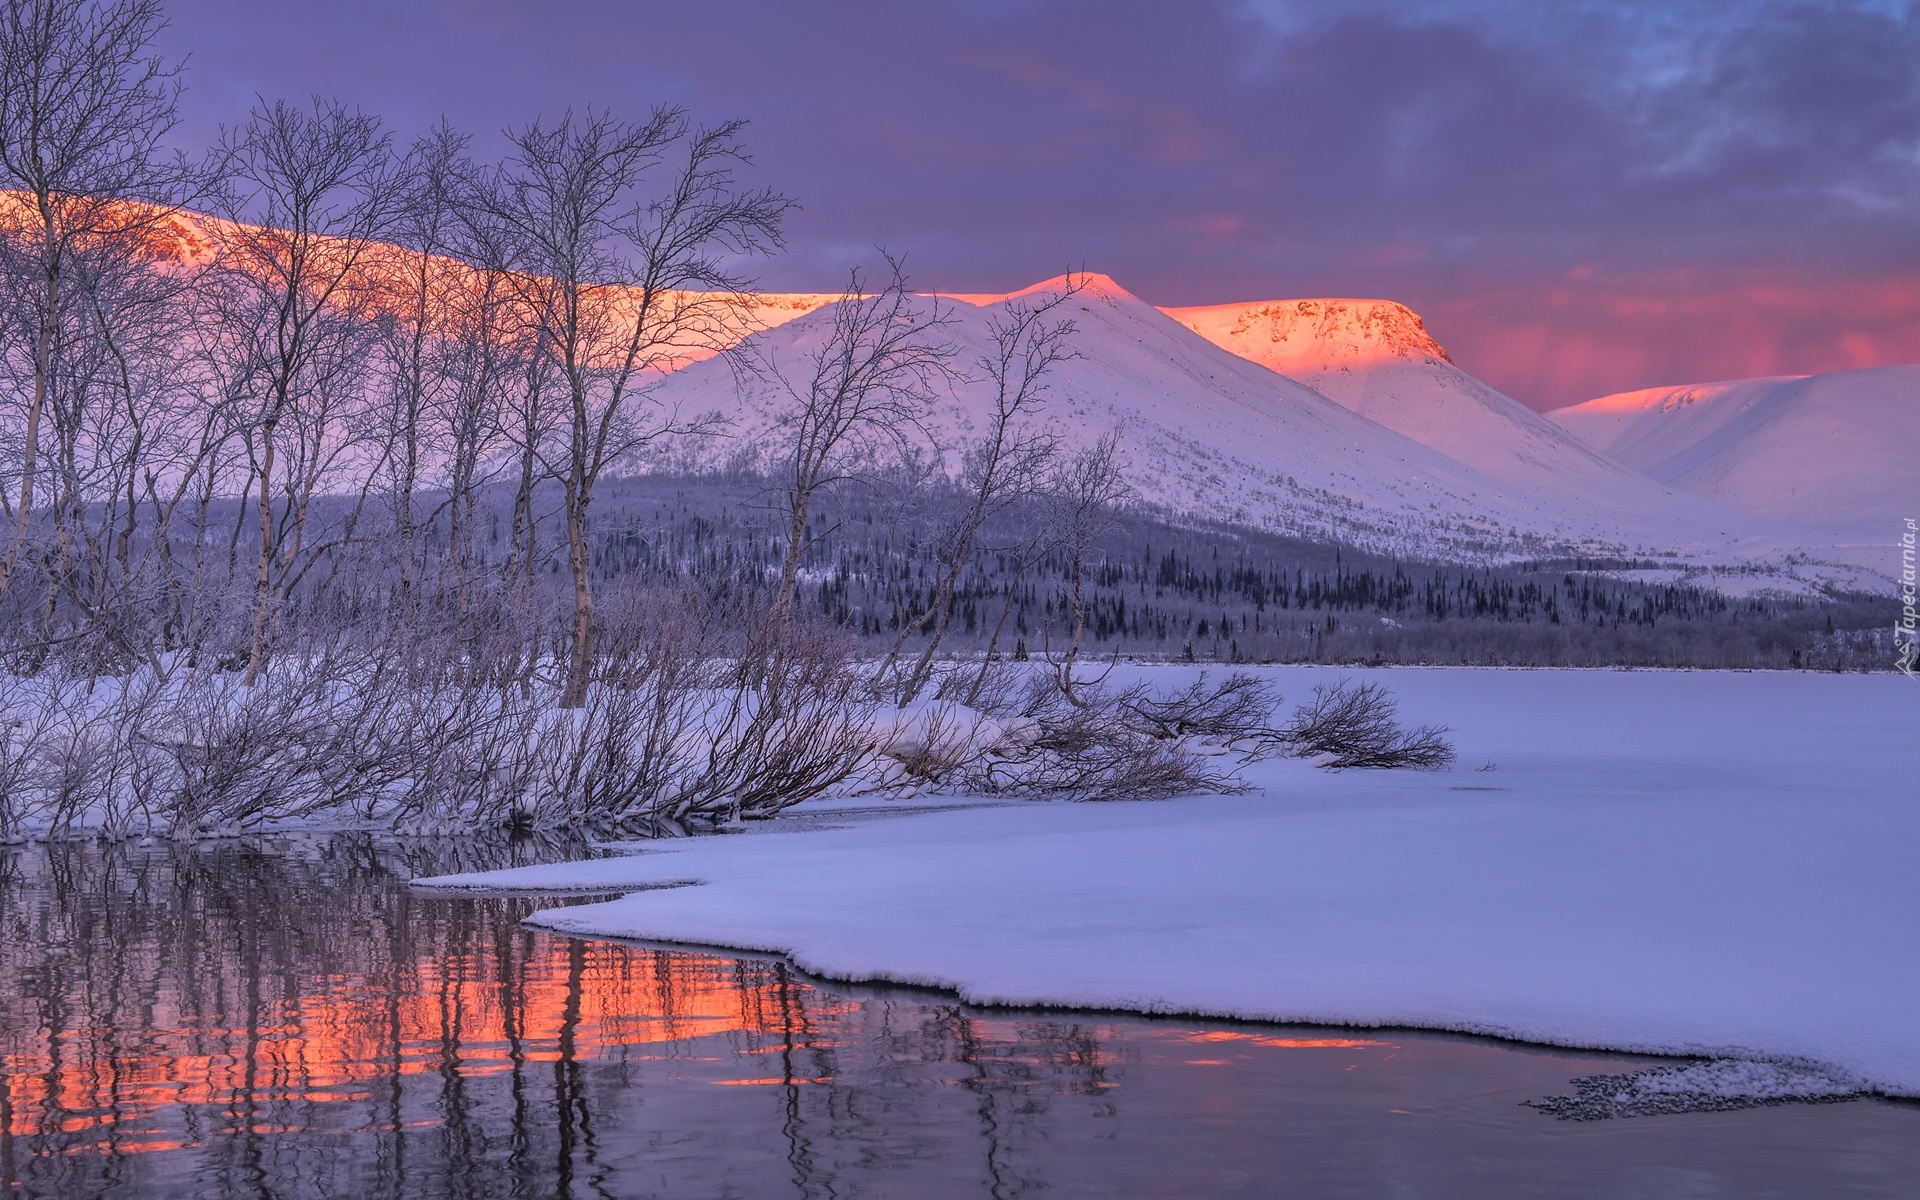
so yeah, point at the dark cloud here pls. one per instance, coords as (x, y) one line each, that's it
(1502, 165)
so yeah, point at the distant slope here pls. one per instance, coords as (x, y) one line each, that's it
(1210, 433)
(195, 239)
(1377, 358)
(1834, 451)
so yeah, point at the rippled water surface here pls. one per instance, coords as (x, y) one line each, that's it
(284, 1018)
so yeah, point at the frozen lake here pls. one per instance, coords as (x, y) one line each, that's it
(286, 1017)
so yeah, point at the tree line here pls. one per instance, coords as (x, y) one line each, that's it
(1184, 590)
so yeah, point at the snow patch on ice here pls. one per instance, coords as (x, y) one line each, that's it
(1718, 1085)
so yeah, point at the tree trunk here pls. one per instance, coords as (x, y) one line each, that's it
(799, 510)
(993, 642)
(580, 669)
(42, 368)
(923, 667)
(263, 584)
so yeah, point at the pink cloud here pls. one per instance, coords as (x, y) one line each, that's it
(1592, 333)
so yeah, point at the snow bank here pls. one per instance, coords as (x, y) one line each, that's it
(1688, 863)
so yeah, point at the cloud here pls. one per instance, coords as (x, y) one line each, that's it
(1464, 155)
(1591, 334)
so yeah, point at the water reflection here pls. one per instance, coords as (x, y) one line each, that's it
(287, 1018)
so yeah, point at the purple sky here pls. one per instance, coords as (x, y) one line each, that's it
(1580, 196)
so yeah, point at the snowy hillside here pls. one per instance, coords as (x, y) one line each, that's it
(1834, 451)
(1211, 433)
(1377, 358)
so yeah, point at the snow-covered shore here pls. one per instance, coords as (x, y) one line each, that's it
(1690, 863)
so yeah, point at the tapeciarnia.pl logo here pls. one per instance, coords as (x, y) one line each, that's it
(1905, 637)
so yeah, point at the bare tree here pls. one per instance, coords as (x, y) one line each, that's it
(1091, 743)
(420, 275)
(622, 286)
(487, 356)
(1007, 464)
(861, 392)
(313, 193)
(115, 410)
(1084, 499)
(1236, 711)
(83, 103)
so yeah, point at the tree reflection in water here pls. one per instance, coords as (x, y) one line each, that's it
(285, 1018)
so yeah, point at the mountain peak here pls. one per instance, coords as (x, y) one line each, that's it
(1089, 283)
(1329, 330)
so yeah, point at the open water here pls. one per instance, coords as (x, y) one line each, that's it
(283, 1017)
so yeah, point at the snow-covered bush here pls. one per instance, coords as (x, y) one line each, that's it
(1097, 742)
(1354, 725)
(1091, 744)
(686, 718)
(935, 740)
(1239, 709)
(322, 731)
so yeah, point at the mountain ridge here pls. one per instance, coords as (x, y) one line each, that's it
(1832, 450)
(1230, 438)
(1331, 417)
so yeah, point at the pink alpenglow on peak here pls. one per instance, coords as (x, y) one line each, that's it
(1376, 358)
(1085, 283)
(1314, 334)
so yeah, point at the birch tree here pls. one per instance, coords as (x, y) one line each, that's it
(84, 103)
(1007, 464)
(625, 233)
(423, 310)
(312, 194)
(856, 396)
(1083, 500)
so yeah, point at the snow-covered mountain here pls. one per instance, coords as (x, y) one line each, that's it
(1210, 433)
(1345, 419)
(1833, 451)
(1377, 358)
